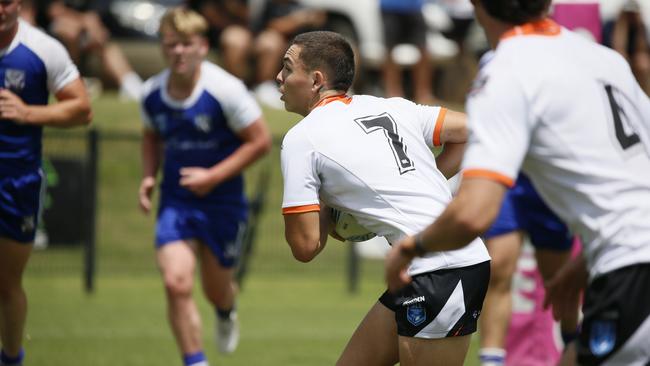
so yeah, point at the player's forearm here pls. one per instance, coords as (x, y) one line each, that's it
(468, 216)
(241, 158)
(65, 113)
(452, 230)
(304, 235)
(325, 225)
(151, 151)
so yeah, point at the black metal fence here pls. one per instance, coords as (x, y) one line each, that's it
(92, 223)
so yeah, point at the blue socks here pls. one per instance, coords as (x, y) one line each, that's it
(195, 359)
(6, 360)
(492, 356)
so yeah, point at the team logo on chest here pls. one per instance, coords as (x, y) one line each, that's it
(15, 80)
(160, 122)
(202, 122)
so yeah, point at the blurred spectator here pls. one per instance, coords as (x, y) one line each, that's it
(461, 13)
(404, 23)
(627, 34)
(280, 20)
(82, 32)
(228, 22)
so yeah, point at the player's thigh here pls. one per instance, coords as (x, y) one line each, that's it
(504, 250)
(616, 324)
(214, 275)
(550, 261)
(503, 240)
(433, 352)
(374, 342)
(13, 260)
(177, 261)
(438, 305)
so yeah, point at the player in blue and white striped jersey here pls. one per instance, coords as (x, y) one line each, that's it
(32, 66)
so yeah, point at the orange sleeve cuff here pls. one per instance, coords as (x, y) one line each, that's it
(437, 131)
(489, 174)
(300, 209)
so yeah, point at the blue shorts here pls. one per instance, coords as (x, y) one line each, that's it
(220, 230)
(20, 205)
(523, 209)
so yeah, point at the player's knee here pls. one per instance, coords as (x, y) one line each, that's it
(178, 285)
(500, 276)
(9, 289)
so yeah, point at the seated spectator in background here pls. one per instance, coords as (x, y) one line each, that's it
(404, 23)
(461, 13)
(627, 34)
(82, 32)
(228, 32)
(279, 21)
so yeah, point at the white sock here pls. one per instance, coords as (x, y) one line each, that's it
(131, 86)
(492, 356)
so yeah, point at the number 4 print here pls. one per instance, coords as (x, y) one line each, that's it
(385, 123)
(623, 138)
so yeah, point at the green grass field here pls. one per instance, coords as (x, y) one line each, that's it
(291, 313)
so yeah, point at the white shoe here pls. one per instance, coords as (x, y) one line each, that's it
(228, 333)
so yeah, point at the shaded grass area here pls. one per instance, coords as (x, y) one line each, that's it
(291, 313)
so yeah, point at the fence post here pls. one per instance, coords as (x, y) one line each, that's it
(91, 210)
(353, 268)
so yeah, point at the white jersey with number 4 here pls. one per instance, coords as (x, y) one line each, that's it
(371, 157)
(570, 114)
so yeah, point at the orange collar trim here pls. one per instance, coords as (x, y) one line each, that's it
(342, 98)
(544, 27)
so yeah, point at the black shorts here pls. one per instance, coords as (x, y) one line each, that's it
(616, 325)
(404, 28)
(440, 304)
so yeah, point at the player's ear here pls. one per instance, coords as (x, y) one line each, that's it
(318, 81)
(205, 46)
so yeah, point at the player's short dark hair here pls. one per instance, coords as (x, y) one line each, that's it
(516, 11)
(329, 52)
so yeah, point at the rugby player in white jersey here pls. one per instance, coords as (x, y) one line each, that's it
(371, 157)
(33, 65)
(570, 114)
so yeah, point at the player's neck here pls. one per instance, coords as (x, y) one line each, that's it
(181, 86)
(322, 98)
(8, 36)
(495, 31)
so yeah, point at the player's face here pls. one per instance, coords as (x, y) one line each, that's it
(9, 10)
(295, 83)
(183, 54)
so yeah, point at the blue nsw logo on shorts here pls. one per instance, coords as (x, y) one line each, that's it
(602, 337)
(416, 314)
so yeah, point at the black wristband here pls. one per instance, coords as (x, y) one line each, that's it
(418, 248)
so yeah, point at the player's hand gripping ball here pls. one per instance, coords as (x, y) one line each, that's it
(347, 227)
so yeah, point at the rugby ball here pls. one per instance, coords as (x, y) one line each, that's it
(347, 227)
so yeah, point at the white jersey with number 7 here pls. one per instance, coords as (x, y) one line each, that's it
(371, 157)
